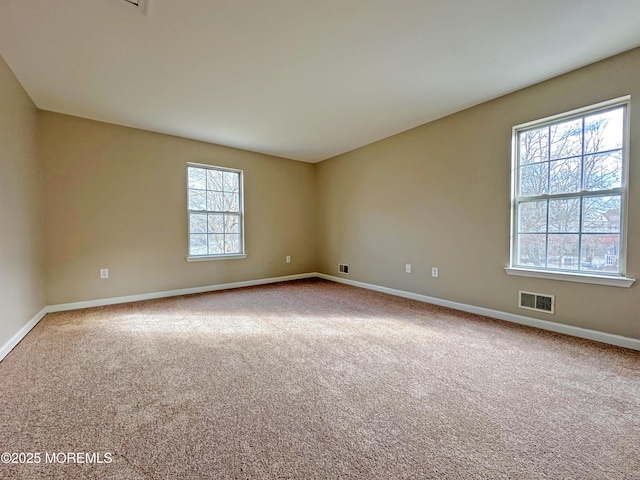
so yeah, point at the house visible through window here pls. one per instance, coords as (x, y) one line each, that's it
(215, 211)
(569, 192)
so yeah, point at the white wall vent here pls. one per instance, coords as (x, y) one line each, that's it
(343, 268)
(540, 302)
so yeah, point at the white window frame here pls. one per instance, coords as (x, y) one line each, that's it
(221, 256)
(618, 280)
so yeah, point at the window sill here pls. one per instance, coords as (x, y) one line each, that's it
(207, 258)
(610, 281)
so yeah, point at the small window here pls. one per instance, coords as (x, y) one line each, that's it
(215, 206)
(569, 192)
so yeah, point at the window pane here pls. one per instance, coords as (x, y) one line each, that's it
(215, 201)
(197, 244)
(569, 187)
(197, 200)
(532, 250)
(532, 216)
(215, 216)
(566, 139)
(604, 131)
(601, 214)
(232, 244)
(563, 251)
(565, 176)
(603, 171)
(230, 181)
(216, 223)
(232, 224)
(216, 244)
(564, 215)
(214, 180)
(600, 252)
(197, 223)
(534, 179)
(196, 178)
(231, 202)
(534, 145)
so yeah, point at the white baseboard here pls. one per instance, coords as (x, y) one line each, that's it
(62, 307)
(618, 340)
(7, 347)
(15, 340)
(603, 337)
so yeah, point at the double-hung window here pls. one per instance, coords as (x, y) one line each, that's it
(569, 192)
(215, 205)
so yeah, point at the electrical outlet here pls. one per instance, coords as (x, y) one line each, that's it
(288, 259)
(407, 268)
(104, 273)
(434, 272)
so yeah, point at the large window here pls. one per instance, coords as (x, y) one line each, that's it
(569, 192)
(215, 212)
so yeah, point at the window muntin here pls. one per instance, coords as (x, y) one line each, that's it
(569, 192)
(215, 208)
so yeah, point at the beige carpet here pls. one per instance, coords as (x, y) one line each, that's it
(314, 380)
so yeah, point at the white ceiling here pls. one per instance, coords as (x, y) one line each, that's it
(300, 79)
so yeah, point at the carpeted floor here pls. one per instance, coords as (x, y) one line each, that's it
(313, 380)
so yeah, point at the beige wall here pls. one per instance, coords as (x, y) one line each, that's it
(116, 198)
(21, 221)
(438, 195)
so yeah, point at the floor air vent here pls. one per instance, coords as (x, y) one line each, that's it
(539, 302)
(343, 268)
